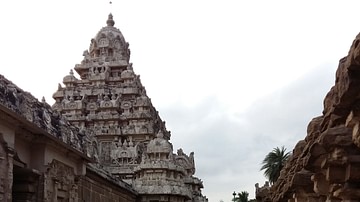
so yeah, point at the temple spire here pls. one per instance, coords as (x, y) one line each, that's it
(110, 6)
(110, 22)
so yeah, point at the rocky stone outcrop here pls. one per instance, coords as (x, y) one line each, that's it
(325, 165)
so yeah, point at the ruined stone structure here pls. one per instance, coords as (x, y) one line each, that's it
(325, 165)
(102, 140)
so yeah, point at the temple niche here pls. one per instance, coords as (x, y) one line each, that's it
(110, 107)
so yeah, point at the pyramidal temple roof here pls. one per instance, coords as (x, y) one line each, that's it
(110, 105)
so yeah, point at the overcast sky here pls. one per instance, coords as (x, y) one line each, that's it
(232, 79)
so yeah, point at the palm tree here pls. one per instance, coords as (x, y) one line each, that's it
(243, 196)
(274, 162)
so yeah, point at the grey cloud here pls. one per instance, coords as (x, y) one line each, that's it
(284, 115)
(228, 152)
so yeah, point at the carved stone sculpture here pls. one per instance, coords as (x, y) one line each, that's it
(60, 183)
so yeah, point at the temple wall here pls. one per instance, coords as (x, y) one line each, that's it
(23, 150)
(44, 173)
(52, 153)
(6, 170)
(93, 188)
(8, 134)
(38, 166)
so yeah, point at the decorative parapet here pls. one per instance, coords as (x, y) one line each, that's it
(40, 114)
(96, 168)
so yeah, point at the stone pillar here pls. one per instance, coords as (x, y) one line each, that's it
(6, 168)
(60, 182)
(10, 175)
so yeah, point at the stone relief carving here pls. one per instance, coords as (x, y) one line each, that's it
(105, 152)
(94, 152)
(185, 161)
(41, 114)
(60, 182)
(123, 153)
(103, 42)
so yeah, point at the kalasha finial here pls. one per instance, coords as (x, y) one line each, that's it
(110, 22)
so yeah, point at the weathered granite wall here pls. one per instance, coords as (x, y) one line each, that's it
(45, 158)
(325, 165)
(6, 176)
(41, 115)
(99, 186)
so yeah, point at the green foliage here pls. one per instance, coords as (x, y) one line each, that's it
(274, 162)
(242, 197)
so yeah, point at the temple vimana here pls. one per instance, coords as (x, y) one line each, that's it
(102, 140)
(325, 166)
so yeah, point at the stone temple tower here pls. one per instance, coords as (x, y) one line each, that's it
(110, 106)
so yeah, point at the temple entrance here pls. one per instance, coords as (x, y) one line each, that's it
(25, 184)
